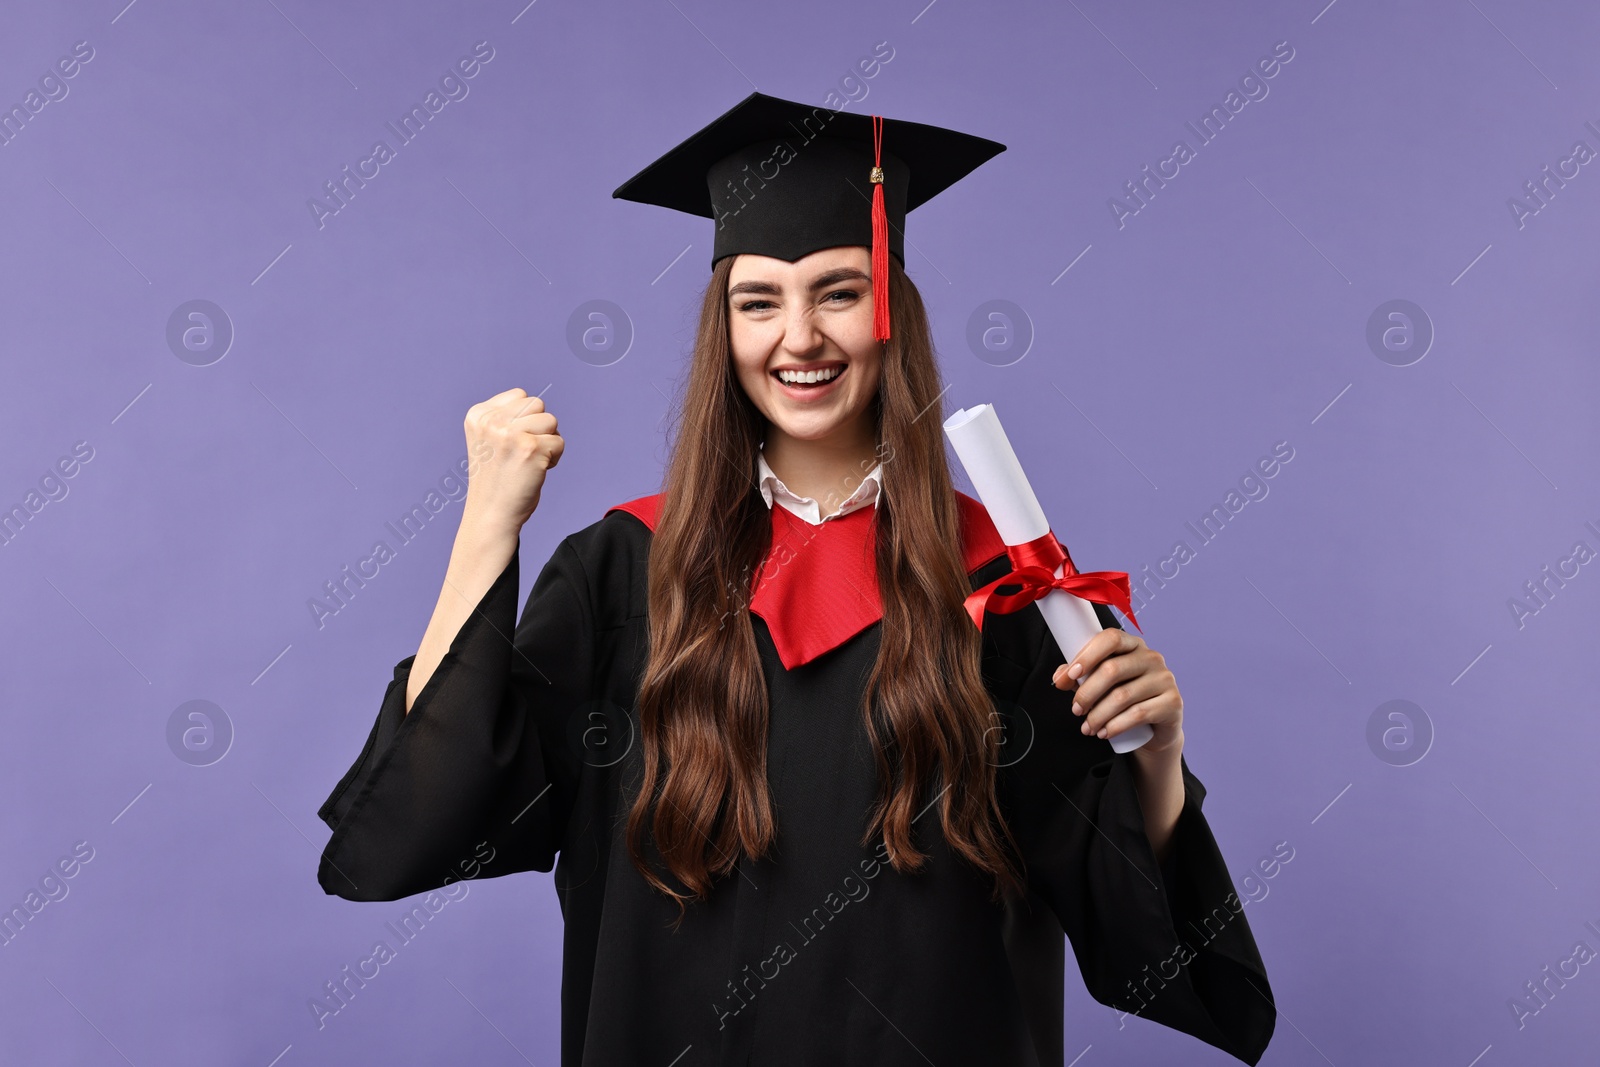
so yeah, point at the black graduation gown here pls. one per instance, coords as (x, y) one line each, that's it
(824, 954)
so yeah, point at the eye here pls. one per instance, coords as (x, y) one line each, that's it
(848, 294)
(755, 305)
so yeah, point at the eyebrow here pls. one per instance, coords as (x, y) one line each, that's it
(832, 277)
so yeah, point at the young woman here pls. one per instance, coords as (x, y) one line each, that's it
(800, 809)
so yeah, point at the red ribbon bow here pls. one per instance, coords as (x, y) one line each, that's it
(1033, 566)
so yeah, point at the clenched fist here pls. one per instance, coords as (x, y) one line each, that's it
(512, 442)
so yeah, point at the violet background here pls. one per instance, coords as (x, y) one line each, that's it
(1228, 315)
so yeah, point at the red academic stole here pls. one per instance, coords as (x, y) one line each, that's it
(818, 585)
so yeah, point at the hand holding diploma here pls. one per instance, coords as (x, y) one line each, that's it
(1122, 681)
(1125, 692)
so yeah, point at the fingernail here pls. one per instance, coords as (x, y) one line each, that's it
(1077, 709)
(1102, 733)
(1074, 670)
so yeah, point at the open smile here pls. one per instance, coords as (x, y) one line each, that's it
(816, 390)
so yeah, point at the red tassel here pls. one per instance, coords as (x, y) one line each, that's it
(880, 239)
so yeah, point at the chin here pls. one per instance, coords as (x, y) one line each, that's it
(809, 429)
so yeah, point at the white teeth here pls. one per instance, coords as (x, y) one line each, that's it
(798, 377)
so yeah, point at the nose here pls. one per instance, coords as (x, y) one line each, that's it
(801, 337)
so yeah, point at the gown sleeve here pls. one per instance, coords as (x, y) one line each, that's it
(472, 781)
(1167, 942)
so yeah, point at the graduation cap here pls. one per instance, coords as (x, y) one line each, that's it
(785, 179)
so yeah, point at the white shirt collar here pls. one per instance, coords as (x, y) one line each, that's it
(773, 490)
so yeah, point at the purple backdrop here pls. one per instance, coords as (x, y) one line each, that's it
(1372, 269)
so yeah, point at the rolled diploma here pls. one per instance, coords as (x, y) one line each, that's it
(984, 450)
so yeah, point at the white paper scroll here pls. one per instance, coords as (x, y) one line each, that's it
(986, 453)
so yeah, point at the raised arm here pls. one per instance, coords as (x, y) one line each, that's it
(461, 776)
(511, 443)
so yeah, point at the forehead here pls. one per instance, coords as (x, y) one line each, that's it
(748, 267)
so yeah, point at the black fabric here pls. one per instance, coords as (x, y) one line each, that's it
(784, 179)
(820, 954)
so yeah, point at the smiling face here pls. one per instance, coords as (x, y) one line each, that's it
(810, 319)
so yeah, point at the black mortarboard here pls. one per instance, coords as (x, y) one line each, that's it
(784, 179)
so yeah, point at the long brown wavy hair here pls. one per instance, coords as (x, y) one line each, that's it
(703, 699)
